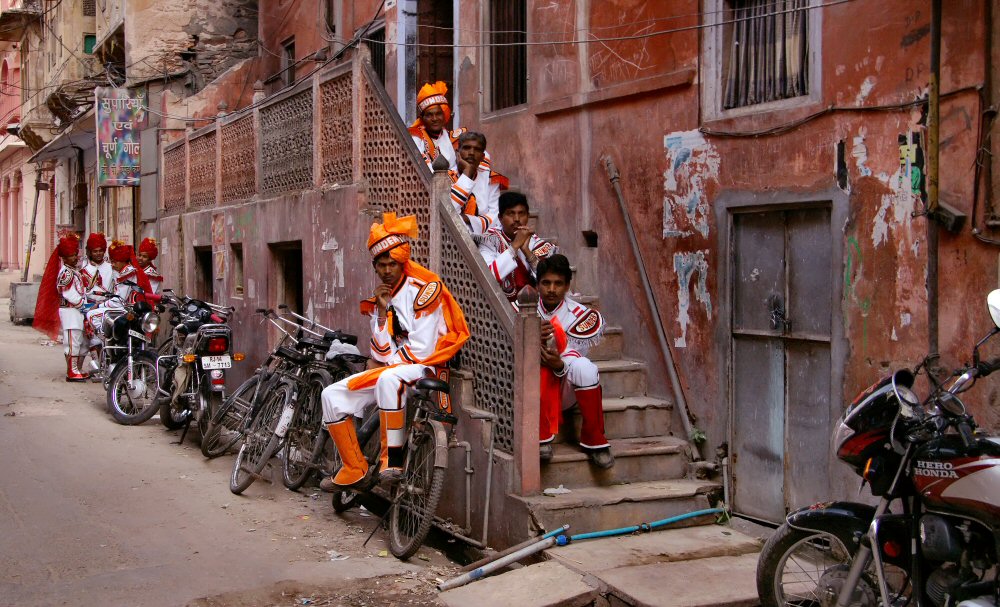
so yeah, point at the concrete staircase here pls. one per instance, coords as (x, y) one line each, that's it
(648, 481)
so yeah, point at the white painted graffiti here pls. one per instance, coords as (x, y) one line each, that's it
(687, 265)
(692, 164)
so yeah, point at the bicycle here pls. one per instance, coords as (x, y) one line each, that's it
(290, 414)
(414, 499)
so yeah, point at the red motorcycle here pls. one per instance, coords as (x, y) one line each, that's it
(933, 538)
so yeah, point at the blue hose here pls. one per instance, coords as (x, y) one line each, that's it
(563, 540)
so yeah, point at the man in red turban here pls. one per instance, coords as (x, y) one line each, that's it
(147, 253)
(61, 298)
(417, 327)
(126, 269)
(95, 269)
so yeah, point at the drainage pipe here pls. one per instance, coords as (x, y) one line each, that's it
(485, 570)
(468, 482)
(661, 333)
(524, 544)
(563, 540)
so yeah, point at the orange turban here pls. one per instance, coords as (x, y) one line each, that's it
(431, 95)
(389, 236)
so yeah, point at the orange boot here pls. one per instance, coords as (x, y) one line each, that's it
(355, 466)
(392, 430)
(72, 373)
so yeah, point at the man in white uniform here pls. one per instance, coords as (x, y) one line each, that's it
(417, 327)
(61, 298)
(476, 188)
(511, 249)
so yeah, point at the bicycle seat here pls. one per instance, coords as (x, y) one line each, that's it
(345, 338)
(293, 355)
(433, 383)
(319, 344)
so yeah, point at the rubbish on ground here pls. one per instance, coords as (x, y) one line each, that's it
(337, 556)
(556, 490)
(383, 553)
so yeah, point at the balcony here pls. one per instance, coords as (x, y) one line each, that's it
(16, 15)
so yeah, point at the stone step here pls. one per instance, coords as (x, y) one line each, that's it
(636, 459)
(546, 584)
(659, 568)
(622, 377)
(588, 509)
(611, 345)
(627, 417)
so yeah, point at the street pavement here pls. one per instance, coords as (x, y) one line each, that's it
(94, 513)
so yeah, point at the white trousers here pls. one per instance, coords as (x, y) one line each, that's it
(581, 373)
(73, 342)
(389, 392)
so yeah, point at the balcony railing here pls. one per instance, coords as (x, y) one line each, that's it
(340, 127)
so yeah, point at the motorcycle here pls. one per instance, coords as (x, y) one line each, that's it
(193, 362)
(933, 538)
(127, 362)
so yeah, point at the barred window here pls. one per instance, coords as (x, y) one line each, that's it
(376, 45)
(765, 51)
(508, 53)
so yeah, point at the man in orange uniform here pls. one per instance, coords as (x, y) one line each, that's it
(417, 327)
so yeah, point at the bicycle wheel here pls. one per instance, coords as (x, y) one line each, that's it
(225, 427)
(371, 443)
(133, 402)
(260, 441)
(416, 497)
(304, 434)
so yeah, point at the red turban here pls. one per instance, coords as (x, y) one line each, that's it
(429, 96)
(47, 306)
(148, 246)
(96, 240)
(119, 251)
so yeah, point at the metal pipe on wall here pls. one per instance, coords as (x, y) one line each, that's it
(933, 150)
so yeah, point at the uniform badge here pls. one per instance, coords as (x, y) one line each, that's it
(588, 326)
(427, 295)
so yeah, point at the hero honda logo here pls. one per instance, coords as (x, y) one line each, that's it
(935, 469)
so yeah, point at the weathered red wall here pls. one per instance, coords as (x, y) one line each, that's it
(873, 53)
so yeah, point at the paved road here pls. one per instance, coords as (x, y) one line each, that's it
(93, 513)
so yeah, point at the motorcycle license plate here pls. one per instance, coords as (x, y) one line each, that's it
(137, 335)
(216, 362)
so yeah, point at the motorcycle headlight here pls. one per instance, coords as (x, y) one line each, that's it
(150, 322)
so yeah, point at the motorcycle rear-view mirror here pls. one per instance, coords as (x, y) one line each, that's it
(993, 303)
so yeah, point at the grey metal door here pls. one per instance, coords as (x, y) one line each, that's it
(782, 286)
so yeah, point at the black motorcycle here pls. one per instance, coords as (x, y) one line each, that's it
(127, 361)
(933, 538)
(193, 362)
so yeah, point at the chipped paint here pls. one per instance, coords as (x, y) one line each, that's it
(905, 319)
(859, 151)
(686, 265)
(692, 164)
(840, 70)
(866, 89)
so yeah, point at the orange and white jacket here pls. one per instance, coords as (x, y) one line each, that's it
(584, 327)
(502, 260)
(479, 199)
(414, 324)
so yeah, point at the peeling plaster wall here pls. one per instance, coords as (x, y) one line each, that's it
(673, 175)
(204, 37)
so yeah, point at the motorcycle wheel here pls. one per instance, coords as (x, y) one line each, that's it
(210, 405)
(802, 567)
(303, 435)
(127, 405)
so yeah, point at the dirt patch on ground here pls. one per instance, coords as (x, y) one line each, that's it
(407, 590)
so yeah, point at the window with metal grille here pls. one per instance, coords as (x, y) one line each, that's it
(89, 9)
(376, 45)
(508, 53)
(765, 52)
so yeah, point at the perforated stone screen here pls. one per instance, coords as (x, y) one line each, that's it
(337, 130)
(489, 353)
(393, 182)
(239, 160)
(174, 177)
(286, 129)
(202, 176)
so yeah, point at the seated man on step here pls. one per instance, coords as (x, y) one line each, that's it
(417, 327)
(569, 330)
(511, 249)
(476, 188)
